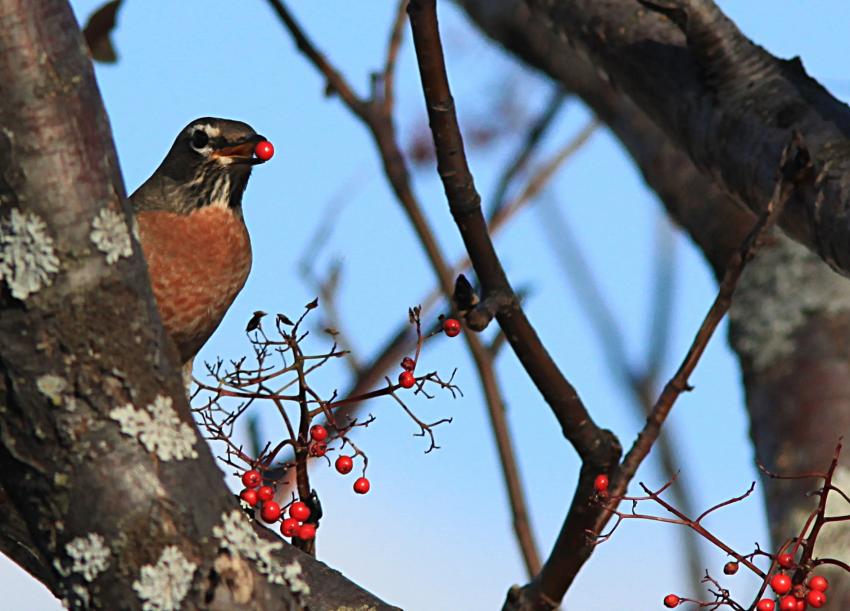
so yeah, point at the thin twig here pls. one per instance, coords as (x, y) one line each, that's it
(679, 382)
(532, 139)
(388, 75)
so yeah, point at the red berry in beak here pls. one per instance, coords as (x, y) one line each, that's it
(264, 150)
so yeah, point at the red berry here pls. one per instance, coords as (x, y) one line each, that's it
(818, 583)
(786, 561)
(788, 603)
(265, 493)
(318, 448)
(344, 464)
(270, 512)
(251, 479)
(671, 600)
(816, 598)
(249, 495)
(408, 364)
(600, 484)
(451, 327)
(264, 150)
(730, 568)
(299, 511)
(362, 485)
(781, 583)
(307, 532)
(406, 379)
(802, 604)
(289, 527)
(765, 604)
(318, 432)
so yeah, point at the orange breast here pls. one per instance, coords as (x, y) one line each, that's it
(198, 263)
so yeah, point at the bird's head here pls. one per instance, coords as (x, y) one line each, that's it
(208, 165)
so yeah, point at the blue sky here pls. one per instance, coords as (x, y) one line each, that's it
(435, 531)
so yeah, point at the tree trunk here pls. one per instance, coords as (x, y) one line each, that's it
(108, 494)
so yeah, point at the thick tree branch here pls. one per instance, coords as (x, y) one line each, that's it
(465, 206)
(16, 543)
(715, 222)
(734, 104)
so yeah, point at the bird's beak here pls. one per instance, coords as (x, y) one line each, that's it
(242, 152)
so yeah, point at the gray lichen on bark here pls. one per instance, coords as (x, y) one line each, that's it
(780, 290)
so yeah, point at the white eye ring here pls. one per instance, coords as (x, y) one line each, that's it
(200, 140)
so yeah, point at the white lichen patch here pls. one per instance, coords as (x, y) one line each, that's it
(778, 292)
(292, 575)
(52, 387)
(81, 599)
(111, 236)
(158, 428)
(90, 555)
(27, 258)
(162, 587)
(238, 537)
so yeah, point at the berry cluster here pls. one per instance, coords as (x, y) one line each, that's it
(344, 464)
(791, 597)
(788, 584)
(407, 379)
(319, 435)
(794, 597)
(270, 511)
(296, 524)
(262, 472)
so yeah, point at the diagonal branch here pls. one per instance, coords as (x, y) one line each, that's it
(598, 448)
(641, 383)
(793, 165)
(735, 104)
(465, 206)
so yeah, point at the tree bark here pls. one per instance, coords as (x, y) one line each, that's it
(734, 105)
(89, 506)
(789, 320)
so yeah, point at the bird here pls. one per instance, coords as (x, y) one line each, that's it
(192, 230)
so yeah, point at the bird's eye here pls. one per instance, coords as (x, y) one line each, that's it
(200, 139)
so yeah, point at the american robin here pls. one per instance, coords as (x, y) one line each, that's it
(191, 229)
